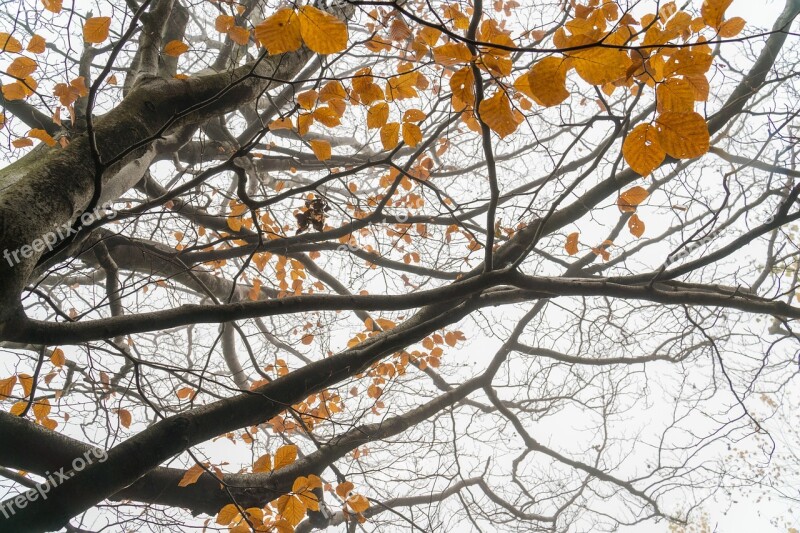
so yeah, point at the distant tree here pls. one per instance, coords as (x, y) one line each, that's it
(394, 265)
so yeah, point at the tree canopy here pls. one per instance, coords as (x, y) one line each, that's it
(398, 265)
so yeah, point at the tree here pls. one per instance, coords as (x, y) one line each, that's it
(394, 265)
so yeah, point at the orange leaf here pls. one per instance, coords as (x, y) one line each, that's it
(732, 27)
(41, 408)
(322, 149)
(343, 489)
(21, 143)
(42, 136)
(572, 243)
(6, 385)
(358, 503)
(95, 29)
(377, 115)
(630, 199)
(713, 12)
(412, 135)
(636, 226)
(642, 149)
(675, 94)
(18, 408)
(124, 417)
(36, 45)
(57, 357)
(413, 115)
(22, 67)
(452, 54)
(546, 82)
(280, 33)
(239, 35)
(390, 135)
(284, 456)
(496, 113)
(175, 48)
(191, 476)
(53, 6)
(322, 32)
(281, 124)
(263, 464)
(683, 135)
(8, 43)
(27, 384)
(227, 513)
(307, 99)
(223, 23)
(292, 508)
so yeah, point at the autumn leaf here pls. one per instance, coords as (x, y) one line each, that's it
(6, 385)
(546, 82)
(22, 67)
(322, 32)
(263, 464)
(27, 384)
(57, 357)
(9, 43)
(280, 33)
(41, 408)
(284, 456)
(377, 115)
(413, 115)
(124, 417)
(227, 514)
(36, 45)
(412, 135)
(43, 136)
(191, 476)
(636, 226)
(496, 113)
(713, 12)
(683, 135)
(95, 29)
(53, 6)
(390, 135)
(630, 199)
(292, 508)
(322, 149)
(21, 143)
(176, 48)
(675, 94)
(571, 245)
(358, 503)
(452, 54)
(732, 27)
(642, 149)
(343, 489)
(239, 35)
(223, 23)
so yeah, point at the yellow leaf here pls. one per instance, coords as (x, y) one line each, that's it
(462, 84)
(292, 509)
(175, 48)
(675, 94)
(328, 116)
(19, 90)
(22, 67)
(263, 464)
(332, 90)
(9, 43)
(390, 135)
(713, 12)
(700, 87)
(42, 136)
(571, 245)
(124, 417)
(630, 199)
(95, 29)
(600, 65)
(6, 385)
(235, 216)
(636, 226)
(18, 408)
(732, 27)
(227, 514)
(49, 423)
(412, 135)
(191, 476)
(307, 99)
(2, 121)
(429, 35)
(304, 122)
(280, 33)
(496, 113)
(239, 35)
(343, 489)
(546, 82)
(322, 149)
(642, 149)
(358, 503)
(452, 54)
(285, 456)
(36, 45)
(223, 23)
(683, 135)
(281, 124)
(402, 86)
(322, 32)
(377, 115)
(53, 6)
(57, 357)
